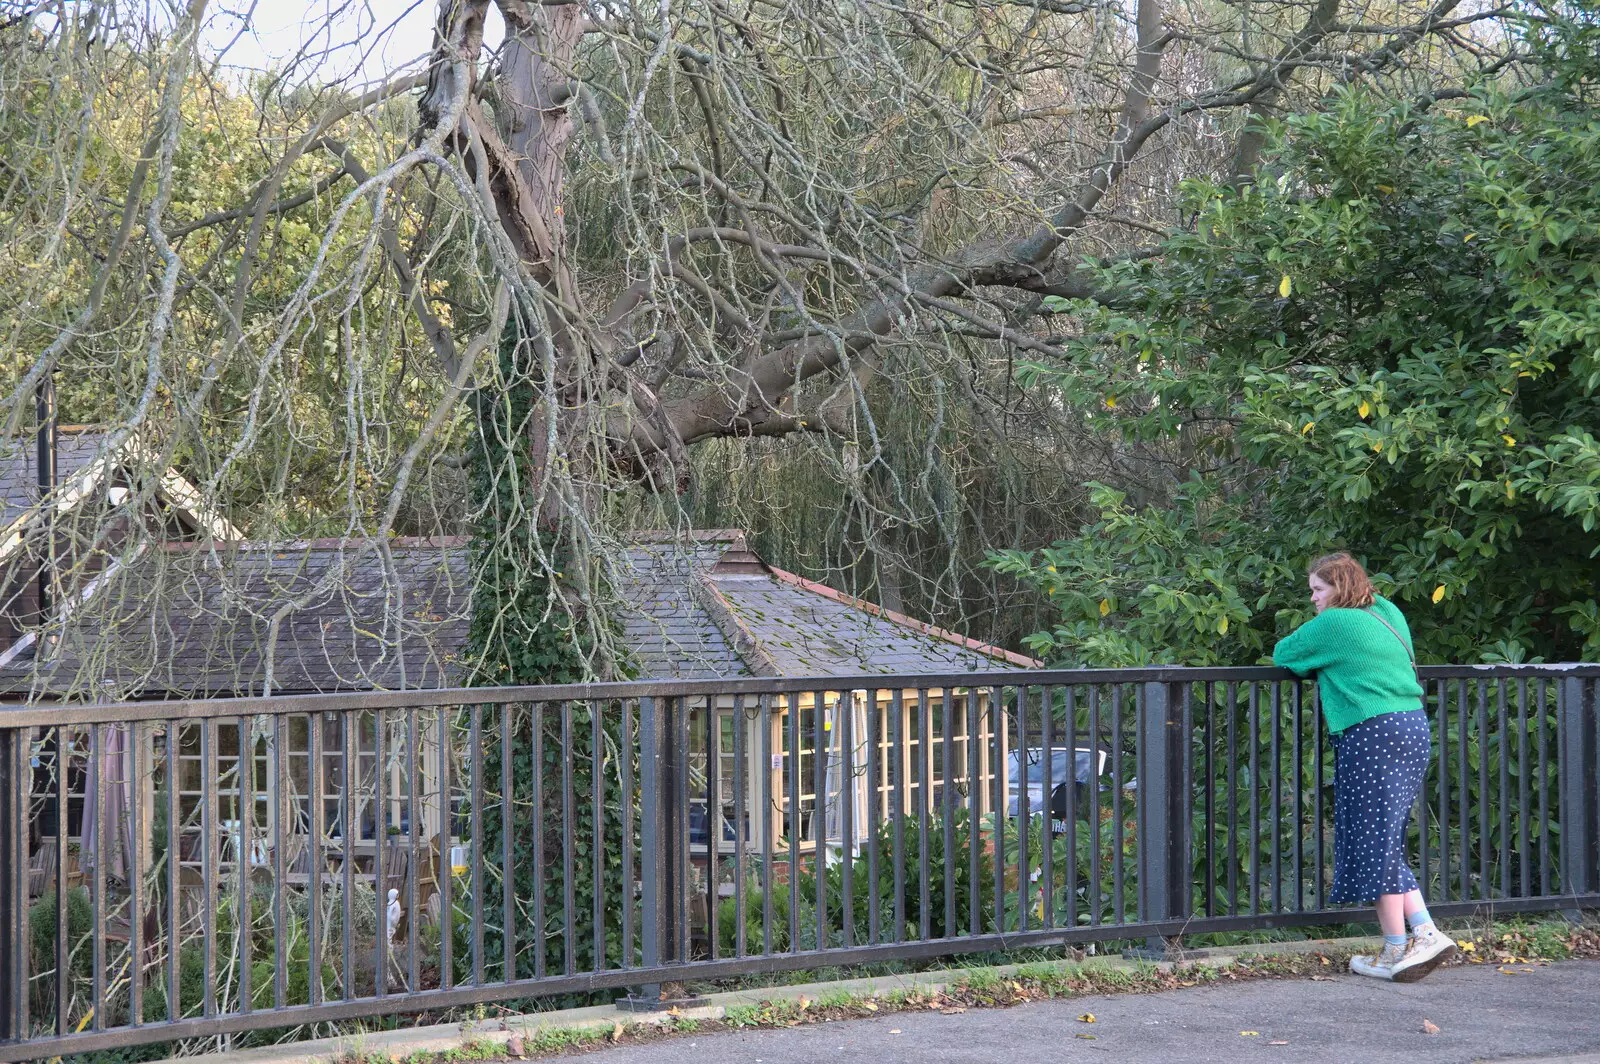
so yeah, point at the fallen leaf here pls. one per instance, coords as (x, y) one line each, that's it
(894, 1030)
(616, 1032)
(1277, 1043)
(1324, 960)
(1087, 1037)
(871, 1006)
(515, 1047)
(1251, 1034)
(1087, 1017)
(1429, 1027)
(805, 1003)
(953, 1010)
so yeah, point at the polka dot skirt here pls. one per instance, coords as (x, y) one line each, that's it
(1379, 768)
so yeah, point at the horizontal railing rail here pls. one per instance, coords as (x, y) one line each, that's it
(215, 868)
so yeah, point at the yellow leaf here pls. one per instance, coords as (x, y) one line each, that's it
(1251, 1034)
(1511, 441)
(1438, 594)
(1473, 120)
(1087, 1017)
(1111, 402)
(1222, 626)
(1285, 287)
(1386, 189)
(1309, 426)
(1364, 409)
(1105, 607)
(1469, 238)
(1377, 447)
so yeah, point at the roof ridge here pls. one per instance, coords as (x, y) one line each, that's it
(235, 545)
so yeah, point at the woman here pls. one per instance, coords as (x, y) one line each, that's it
(1359, 648)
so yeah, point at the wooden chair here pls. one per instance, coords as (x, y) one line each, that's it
(42, 867)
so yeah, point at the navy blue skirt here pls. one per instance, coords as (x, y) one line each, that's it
(1378, 775)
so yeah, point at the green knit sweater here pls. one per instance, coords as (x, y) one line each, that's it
(1362, 670)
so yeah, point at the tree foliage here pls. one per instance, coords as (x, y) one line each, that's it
(1389, 344)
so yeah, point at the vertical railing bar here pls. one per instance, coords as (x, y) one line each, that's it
(1255, 797)
(508, 828)
(1464, 794)
(997, 797)
(569, 903)
(135, 874)
(680, 829)
(350, 753)
(1484, 827)
(1118, 908)
(924, 803)
(1444, 790)
(1316, 804)
(847, 815)
(1423, 856)
(1023, 810)
(1276, 875)
(713, 820)
(247, 819)
(741, 777)
(63, 798)
(764, 709)
(1047, 828)
(1297, 691)
(1505, 787)
(97, 998)
(792, 702)
(1096, 740)
(1540, 699)
(974, 815)
(1232, 696)
(820, 738)
(475, 827)
(597, 828)
(1210, 798)
(540, 939)
(897, 749)
(208, 865)
(1524, 792)
(874, 809)
(447, 872)
(948, 800)
(174, 859)
(413, 823)
(380, 844)
(1070, 712)
(628, 858)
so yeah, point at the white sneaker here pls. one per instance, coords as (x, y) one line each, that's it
(1381, 966)
(1427, 949)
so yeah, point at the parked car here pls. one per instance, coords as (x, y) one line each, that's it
(1079, 767)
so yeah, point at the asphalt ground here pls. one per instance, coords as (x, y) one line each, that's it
(1482, 1014)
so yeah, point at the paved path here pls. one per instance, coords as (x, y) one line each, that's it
(1550, 1014)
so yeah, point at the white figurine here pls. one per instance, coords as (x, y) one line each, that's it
(393, 912)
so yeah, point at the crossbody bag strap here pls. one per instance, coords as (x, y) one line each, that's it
(1410, 651)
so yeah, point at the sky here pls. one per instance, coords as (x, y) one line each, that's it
(365, 39)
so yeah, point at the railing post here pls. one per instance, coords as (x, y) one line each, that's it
(661, 842)
(1162, 802)
(14, 943)
(1580, 782)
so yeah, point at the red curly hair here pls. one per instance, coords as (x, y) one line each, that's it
(1342, 573)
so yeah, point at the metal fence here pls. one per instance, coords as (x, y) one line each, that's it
(181, 870)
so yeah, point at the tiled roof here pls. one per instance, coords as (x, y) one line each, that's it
(349, 622)
(19, 467)
(694, 607)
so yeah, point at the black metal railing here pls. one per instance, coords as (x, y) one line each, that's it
(211, 868)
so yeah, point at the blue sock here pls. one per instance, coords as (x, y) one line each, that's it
(1418, 918)
(1394, 940)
